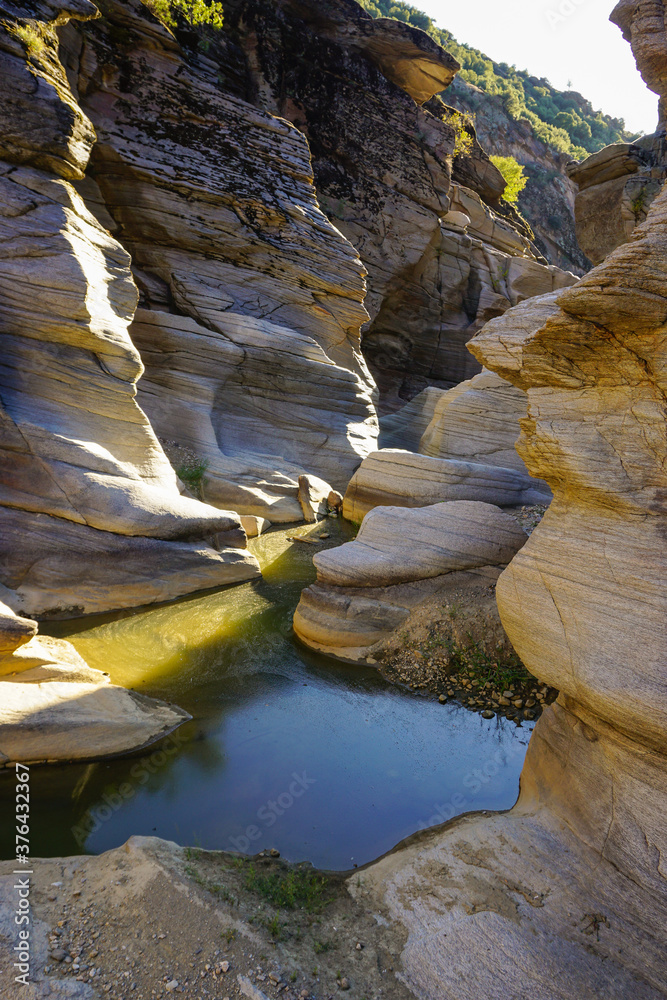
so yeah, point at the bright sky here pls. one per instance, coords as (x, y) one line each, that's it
(567, 41)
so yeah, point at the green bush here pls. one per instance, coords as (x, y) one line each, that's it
(195, 12)
(514, 175)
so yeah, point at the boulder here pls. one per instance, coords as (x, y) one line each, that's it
(401, 478)
(54, 707)
(367, 588)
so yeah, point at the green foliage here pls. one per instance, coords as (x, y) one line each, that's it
(562, 119)
(290, 889)
(195, 12)
(514, 175)
(501, 668)
(30, 37)
(460, 123)
(191, 473)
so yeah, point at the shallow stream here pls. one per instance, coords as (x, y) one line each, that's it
(286, 749)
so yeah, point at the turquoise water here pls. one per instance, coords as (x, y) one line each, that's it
(286, 749)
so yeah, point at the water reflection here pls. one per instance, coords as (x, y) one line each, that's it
(324, 762)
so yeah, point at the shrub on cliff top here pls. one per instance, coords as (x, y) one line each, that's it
(195, 12)
(514, 175)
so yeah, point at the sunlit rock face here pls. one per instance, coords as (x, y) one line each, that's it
(82, 470)
(251, 302)
(442, 257)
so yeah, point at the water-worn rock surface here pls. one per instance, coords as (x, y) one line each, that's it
(441, 257)
(83, 474)
(54, 707)
(367, 588)
(402, 478)
(249, 321)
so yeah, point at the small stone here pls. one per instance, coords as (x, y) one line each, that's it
(488, 714)
(335, 499)
(344, 983)
(171, 985)
(325, 535)
(274, 853)
(530, 702)
(518, 703)
(58, 954)
(359, 946)
(224, 966)
(508, 694)
(274, 977)
(505, 702)
(442, 699)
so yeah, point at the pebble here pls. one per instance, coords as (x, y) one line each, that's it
(442, 699)
(488, 714)
(505, 702)
(274, 853)
(58, 954)
(224, 966)
(171, 986)
(344, 983)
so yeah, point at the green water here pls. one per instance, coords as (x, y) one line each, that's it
(285, 749)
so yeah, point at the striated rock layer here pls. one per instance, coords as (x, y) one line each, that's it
(367, 588)
(401, 478)
(566, 896)
(442, 257)
(251, 302)
(82, 475)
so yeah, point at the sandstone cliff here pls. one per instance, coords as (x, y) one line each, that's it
(91, 513)
(442, 256)
(570, 888)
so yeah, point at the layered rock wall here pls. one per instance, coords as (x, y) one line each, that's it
(442, 258)
(83, 474)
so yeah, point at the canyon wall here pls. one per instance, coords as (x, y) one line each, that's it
(443, 255)
(91, 515)
(566, 896)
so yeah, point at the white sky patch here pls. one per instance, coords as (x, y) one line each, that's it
(570, 42)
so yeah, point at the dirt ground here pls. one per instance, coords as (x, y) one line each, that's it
(152, 920)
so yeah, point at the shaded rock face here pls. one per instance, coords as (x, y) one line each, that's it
(81, 466)
(440, 257)
(366, 589)
(616, 189)
(54, 707)
(251, 300)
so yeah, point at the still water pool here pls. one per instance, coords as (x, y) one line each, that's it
(285, 749)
